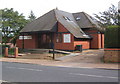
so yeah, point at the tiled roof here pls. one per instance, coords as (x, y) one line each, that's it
(48, 22)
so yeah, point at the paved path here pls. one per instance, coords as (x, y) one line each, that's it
(71, 55)
(87, 56)
(17, 72)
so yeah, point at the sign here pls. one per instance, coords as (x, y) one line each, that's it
(67, 38)
(20, 37)
(25, 37)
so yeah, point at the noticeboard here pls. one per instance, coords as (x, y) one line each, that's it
(67, 38)
(25, 37)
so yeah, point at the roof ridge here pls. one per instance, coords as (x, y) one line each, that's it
(55, 14)
(78, 12)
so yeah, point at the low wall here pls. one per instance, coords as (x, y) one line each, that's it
(85, 44)
(112, 55)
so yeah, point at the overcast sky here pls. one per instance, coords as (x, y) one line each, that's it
(39, 7)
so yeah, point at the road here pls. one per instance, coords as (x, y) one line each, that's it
(18, 72)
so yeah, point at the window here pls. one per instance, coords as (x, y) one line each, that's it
(67, 18)
(78, 18)
(59, 38)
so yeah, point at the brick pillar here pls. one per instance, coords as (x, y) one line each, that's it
(6, 51)
(16, 52)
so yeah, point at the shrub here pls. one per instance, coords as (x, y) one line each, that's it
(112, 35)
(11, 51)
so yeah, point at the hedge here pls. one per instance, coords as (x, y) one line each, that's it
(112, 37)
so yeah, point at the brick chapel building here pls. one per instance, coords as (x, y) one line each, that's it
(64, 30)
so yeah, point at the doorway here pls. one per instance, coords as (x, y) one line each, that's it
(45, 40)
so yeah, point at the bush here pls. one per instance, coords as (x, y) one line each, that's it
(11, 51)
(112, 35)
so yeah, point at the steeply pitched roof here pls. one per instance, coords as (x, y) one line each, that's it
(43, 23)
(68, 21)
(48, 21)
(86, 21)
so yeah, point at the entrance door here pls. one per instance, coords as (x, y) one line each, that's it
(44, 40)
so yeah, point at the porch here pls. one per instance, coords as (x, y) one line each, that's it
(36, 40)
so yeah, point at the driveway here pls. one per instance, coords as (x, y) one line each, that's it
(87, 56)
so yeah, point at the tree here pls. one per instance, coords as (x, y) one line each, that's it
(31, 16)
(109, 17)
(12, 23)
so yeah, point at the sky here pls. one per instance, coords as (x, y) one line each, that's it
(119, 5)
(40, 7)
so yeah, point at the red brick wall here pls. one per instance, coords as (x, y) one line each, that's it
(72, 45)
(98, 39)
(65, 46)
(102, 40)
(62, 45)
(61, 28)
(28, 43)
(112, 55)
(94, 43)
(19, 43)
(85, 44)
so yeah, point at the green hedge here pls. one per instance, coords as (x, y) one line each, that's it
(11, 51)
(112, 37)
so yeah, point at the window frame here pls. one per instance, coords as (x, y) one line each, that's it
(59, 38)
